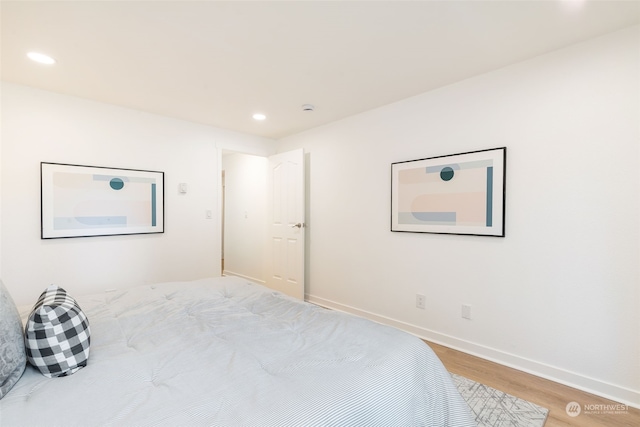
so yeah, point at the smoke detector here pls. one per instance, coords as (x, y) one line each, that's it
(308, 107)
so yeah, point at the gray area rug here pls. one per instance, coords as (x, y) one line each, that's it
(494, 408)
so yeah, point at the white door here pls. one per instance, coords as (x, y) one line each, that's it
(285, 246)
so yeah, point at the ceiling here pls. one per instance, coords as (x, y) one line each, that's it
(217, 63)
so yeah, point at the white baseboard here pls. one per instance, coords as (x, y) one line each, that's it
(572, 379)
(253, 279)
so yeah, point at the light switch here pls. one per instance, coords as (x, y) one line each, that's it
(209, 214)
(182, 187)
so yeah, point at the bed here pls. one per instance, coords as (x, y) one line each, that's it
(230, 352)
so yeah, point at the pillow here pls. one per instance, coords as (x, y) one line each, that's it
(57, 334)
(12, 356)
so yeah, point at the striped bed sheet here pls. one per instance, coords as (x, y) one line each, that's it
(229, 352)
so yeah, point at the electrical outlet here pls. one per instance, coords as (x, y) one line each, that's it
(466, 311)
(420, 301)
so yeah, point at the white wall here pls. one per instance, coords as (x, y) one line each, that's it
(1, 104)
(245, 215)
(560, 294)
(42, 126)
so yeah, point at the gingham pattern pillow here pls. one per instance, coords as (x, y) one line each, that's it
(57, 334)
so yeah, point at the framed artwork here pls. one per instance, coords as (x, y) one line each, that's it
(454, 194)
(83, 201)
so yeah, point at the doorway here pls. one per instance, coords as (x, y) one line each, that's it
(263, 219)
(243, 217)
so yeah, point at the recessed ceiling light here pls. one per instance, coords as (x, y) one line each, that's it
(573, 5)
(41, 58)
(259, 116)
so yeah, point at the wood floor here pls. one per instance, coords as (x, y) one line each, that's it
(548, 394)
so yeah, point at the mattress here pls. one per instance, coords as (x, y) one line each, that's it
(229, 352)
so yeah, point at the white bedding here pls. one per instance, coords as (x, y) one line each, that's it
(228, 352)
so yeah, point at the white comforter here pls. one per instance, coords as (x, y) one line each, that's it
(227, 352)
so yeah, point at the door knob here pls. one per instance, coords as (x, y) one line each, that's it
(298, 225)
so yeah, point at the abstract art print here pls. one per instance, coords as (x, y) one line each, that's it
(83, 201)
(455, 194)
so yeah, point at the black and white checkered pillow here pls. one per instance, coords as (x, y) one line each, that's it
(57, 334)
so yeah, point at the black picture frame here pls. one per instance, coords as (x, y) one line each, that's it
(87, 201)
(460, 193)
